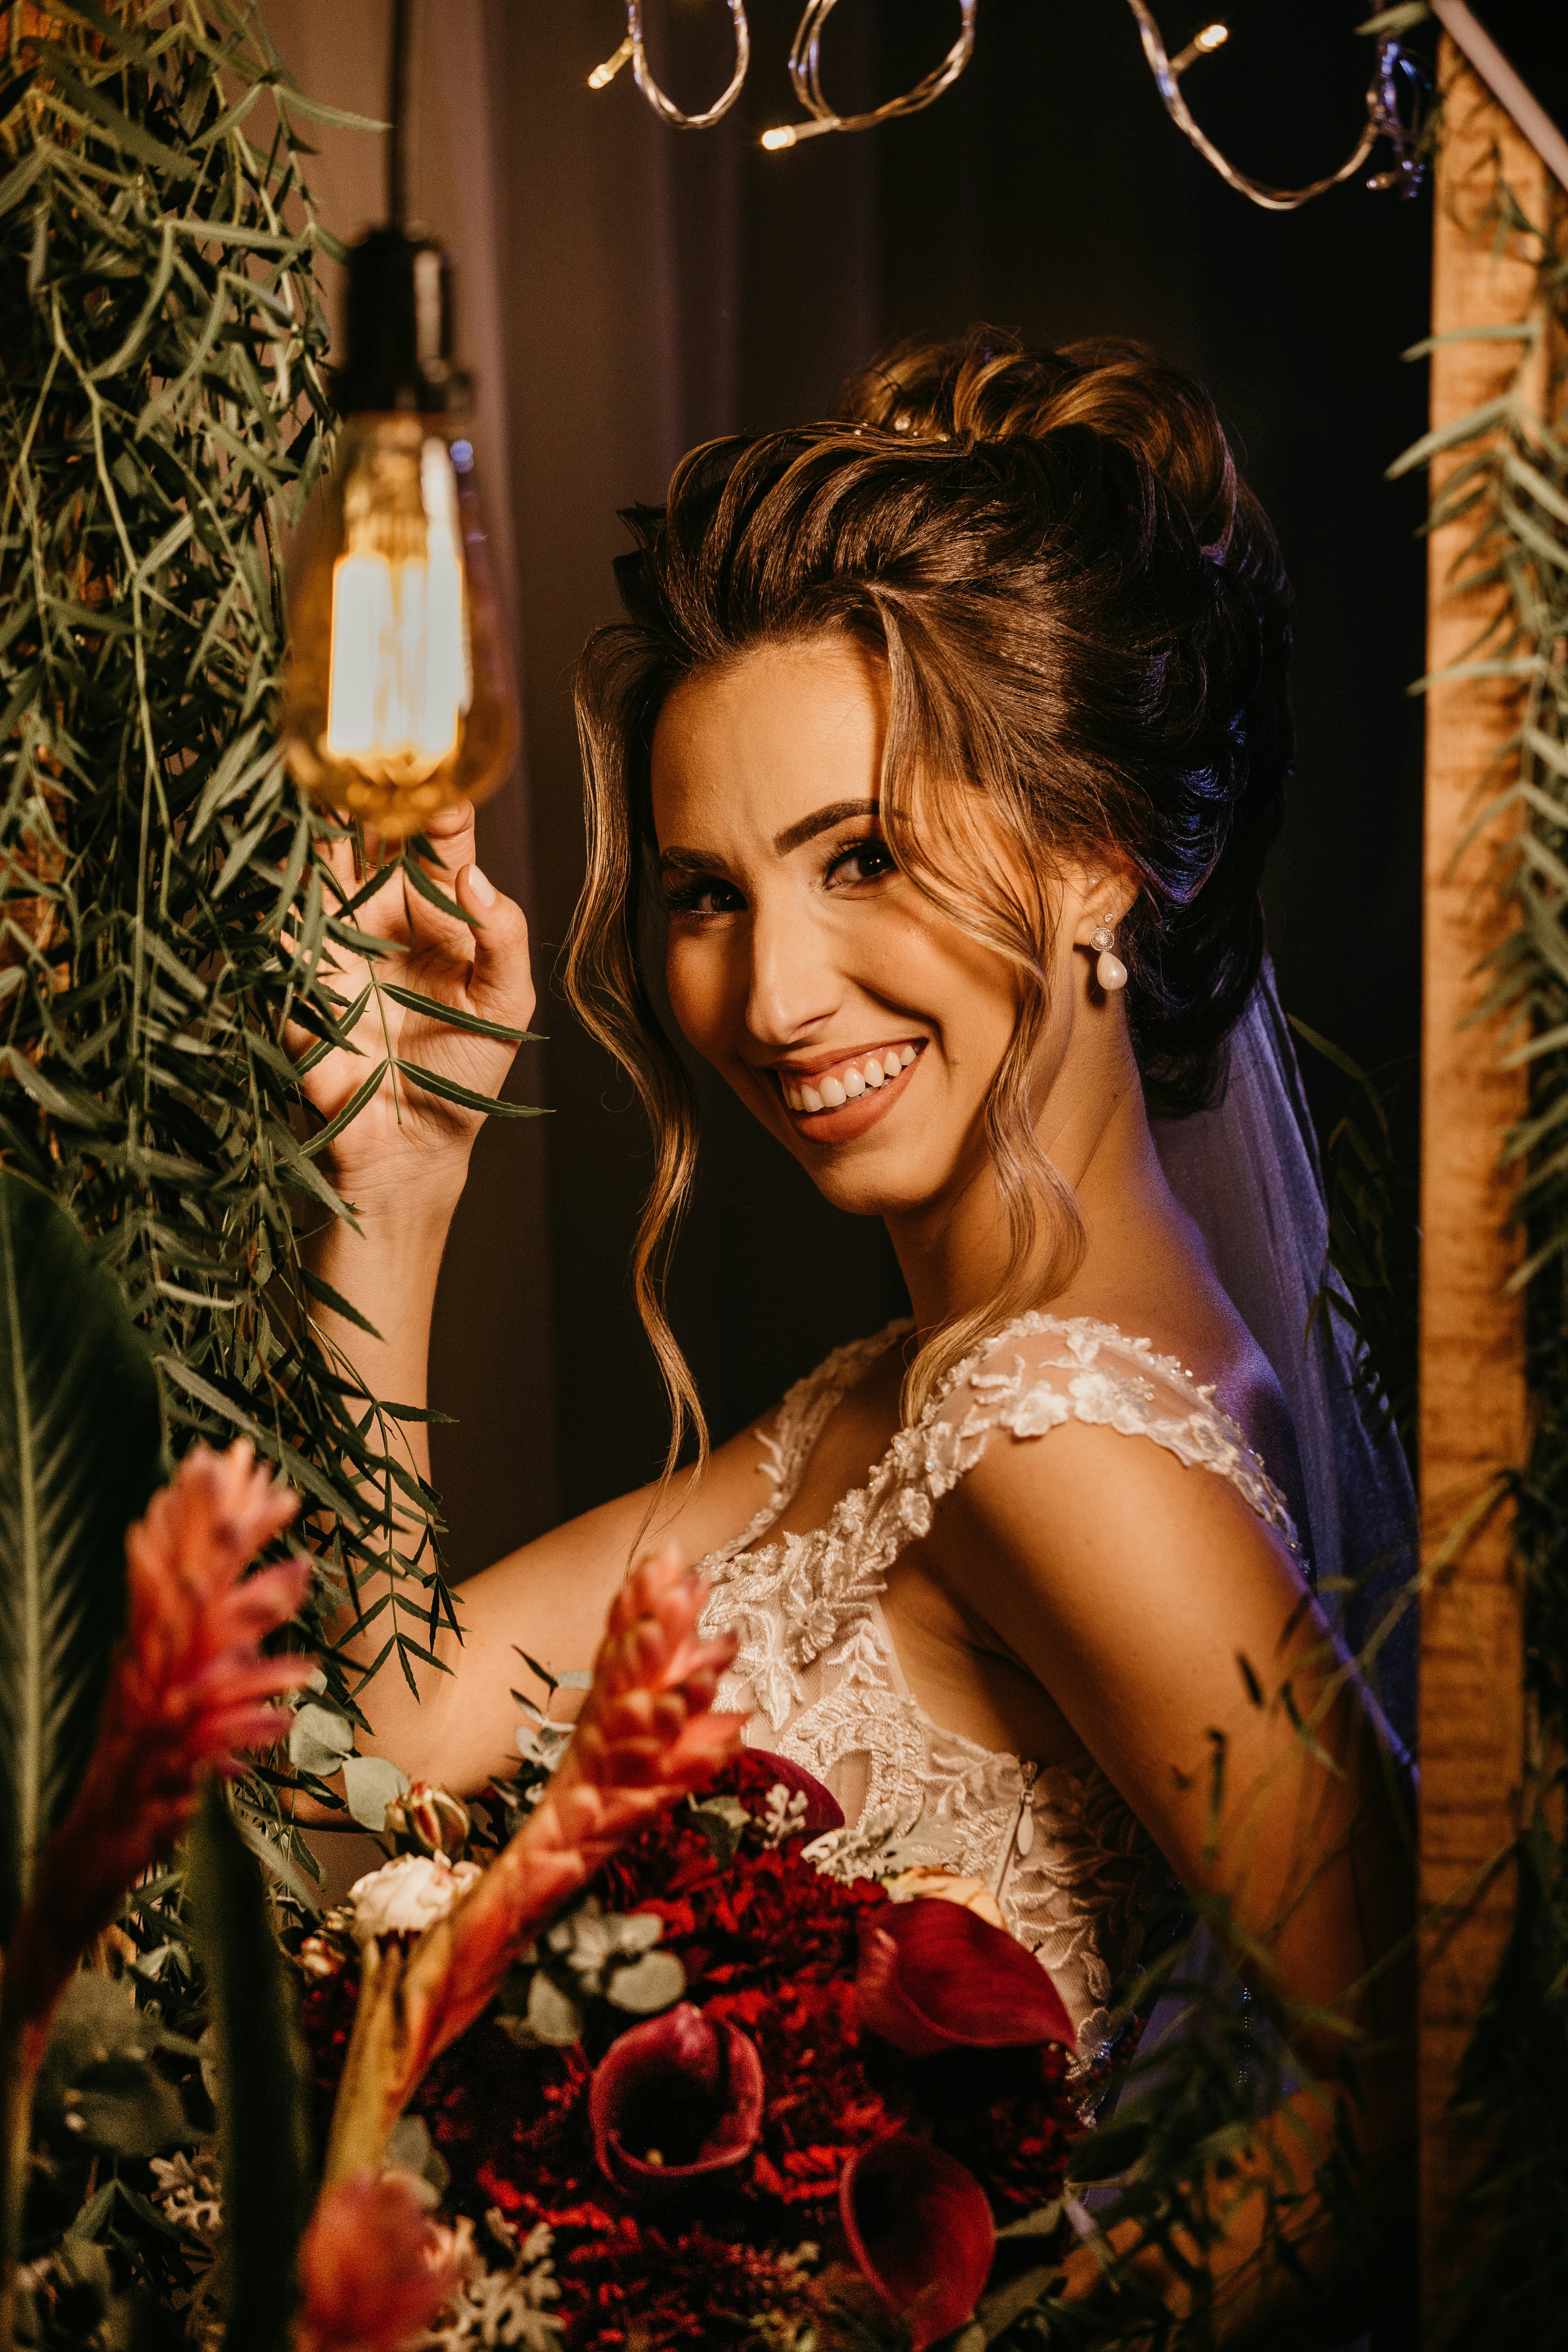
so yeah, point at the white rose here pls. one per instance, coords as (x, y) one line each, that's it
(406, 1896)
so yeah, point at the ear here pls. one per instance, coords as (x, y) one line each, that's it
(1098, 897)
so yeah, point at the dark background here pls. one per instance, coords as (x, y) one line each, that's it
(661, 287)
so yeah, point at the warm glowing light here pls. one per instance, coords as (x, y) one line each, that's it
(790, 134)
(1202, 45)
(399, 702)
(400, 678)
(602, 76)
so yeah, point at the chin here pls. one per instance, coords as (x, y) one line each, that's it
(869, 1190)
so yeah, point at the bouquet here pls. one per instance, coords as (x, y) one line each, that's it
(760, 2085)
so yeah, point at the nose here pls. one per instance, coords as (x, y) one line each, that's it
(792, 985)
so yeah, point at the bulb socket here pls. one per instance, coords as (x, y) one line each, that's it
(399, 329)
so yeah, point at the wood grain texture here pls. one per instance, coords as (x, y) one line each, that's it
(1474, 1408)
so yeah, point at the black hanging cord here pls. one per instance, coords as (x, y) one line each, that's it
(398, 113)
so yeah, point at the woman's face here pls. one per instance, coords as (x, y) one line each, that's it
(858, 1024)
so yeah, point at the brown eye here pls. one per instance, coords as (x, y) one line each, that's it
(702, 895)
(862, 861)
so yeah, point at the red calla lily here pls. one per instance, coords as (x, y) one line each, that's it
(920, 2230)
(823, 1810)
(673, 2102)
(934, 1976)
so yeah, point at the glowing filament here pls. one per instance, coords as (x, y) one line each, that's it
(401, 676)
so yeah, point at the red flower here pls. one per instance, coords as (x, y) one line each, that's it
(935, 1975)
(920, 2230)
(374, 2268)
(189, 1684)
(674, 2102)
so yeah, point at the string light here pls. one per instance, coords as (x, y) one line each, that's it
(603, 76)
(1392, 110)
(633, 53)
(1203, 45)
(805, 74)
(1395, 97)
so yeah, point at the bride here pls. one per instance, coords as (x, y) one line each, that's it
(948, 741)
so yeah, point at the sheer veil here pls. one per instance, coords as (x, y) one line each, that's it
(1249, 1175)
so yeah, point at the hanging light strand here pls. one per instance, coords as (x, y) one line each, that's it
(1395, 97)
(805, 74)
(632, 52)
(1393, 113)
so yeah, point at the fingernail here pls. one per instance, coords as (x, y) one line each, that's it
(483, 889)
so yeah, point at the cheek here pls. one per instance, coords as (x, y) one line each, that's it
(695, 981)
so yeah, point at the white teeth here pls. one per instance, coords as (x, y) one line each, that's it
(830, 1092)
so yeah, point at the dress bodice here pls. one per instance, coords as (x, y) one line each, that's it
(1073, 1870)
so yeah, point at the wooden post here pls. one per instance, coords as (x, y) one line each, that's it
(1474, 1414)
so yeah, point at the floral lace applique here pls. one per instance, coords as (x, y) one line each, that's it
(1074, 1871)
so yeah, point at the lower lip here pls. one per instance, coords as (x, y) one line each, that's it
(851, 1120)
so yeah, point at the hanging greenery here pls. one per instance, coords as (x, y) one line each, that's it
(167, 907)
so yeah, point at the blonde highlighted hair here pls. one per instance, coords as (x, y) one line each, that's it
(1084, 627)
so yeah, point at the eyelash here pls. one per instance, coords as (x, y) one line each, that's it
(686, 898)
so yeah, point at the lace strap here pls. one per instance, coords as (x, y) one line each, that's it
(1085, 1370)
(788, 1443)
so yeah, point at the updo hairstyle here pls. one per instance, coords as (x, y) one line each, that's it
(1084, 626)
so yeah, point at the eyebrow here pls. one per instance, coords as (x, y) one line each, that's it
(822, 820)
(793, 836)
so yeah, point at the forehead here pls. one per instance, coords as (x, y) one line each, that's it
(747, 749)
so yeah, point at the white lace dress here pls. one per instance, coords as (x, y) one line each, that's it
(1073, 1870)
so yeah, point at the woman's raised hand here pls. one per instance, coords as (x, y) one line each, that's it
(406, 1128)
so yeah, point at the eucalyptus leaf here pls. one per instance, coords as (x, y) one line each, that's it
(79, 1456)
(553, 2015)
(369, 1784)
(319, 1739)
(647, 1985)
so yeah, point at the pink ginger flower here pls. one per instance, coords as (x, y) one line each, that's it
(646, 1735)
(375, 2269)
(187, 1687)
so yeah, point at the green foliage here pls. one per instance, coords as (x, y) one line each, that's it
(80, 1446)
(261, 2095)
(168, 926)
(99, 2083)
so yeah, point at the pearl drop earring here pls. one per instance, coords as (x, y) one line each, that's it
(1110, 972)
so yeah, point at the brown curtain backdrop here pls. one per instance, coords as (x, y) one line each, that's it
(627, 289)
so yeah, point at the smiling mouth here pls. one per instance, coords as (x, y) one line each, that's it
(851, 1081)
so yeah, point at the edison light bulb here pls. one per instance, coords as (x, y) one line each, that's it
(400, 698)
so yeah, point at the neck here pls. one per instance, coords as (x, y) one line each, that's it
(953, 1250)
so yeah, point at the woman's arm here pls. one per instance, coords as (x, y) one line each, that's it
(402, 1162)
(1135, 1588)
(549, 1598)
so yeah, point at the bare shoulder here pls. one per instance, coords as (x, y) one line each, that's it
(1128, 1580)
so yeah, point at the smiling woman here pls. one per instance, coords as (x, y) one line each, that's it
(952, 737)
